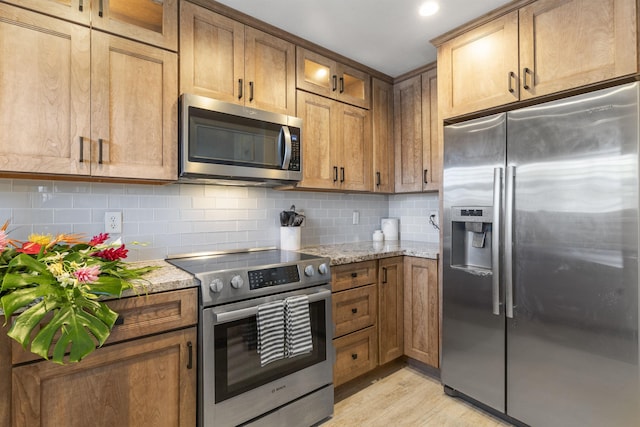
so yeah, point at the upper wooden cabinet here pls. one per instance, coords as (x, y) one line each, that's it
(326, 77)
(85, 102)
(337, 144)
(545, 47)
(226, 60)
(418, 162)
(150, 21)
(566, 44)
(383, 151)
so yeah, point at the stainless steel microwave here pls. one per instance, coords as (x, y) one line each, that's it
(226, 143)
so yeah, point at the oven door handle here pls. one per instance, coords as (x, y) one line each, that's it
(243, 313)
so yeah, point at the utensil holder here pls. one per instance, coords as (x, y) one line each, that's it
(290, 238)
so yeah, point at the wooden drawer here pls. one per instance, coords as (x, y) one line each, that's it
(349, 276)
(354, 309)
(139, 316)
(356, 354)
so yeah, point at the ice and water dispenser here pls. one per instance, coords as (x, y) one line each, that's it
(471, 237)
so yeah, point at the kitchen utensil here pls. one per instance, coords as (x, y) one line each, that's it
(284, 218)
(297, 220)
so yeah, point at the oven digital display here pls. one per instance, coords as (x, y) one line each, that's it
(273, 276)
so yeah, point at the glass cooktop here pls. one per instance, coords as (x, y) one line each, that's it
(198, 263)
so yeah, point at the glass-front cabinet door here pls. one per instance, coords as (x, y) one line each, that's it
(325, 77)
(150, 21)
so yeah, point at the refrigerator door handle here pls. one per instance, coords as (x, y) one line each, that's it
(495, 239)
(508, 240)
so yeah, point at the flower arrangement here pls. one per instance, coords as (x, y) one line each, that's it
(57, 282)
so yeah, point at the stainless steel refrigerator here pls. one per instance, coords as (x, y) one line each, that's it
(540, 261)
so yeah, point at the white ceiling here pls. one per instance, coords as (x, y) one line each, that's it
(386, 35)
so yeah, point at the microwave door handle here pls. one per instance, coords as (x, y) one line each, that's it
(243, 313)
(284, 138)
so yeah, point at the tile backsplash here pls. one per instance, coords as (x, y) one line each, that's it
(179, 218)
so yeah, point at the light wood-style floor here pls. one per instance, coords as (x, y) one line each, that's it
(404, 396)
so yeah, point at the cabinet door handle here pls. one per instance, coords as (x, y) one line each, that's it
(80, 6)
(81, 149)
(424, 177)
(335, 173)
(354, 356)
(99, 151)
(100, 9)
(354, 275)
(341, 174)
(526, 71)
(239, 88)
(250, 91)
(341, 84)
(335, 82)
(384, 274)
(354, 310)
(512, 77)
(190, 359)
(377, 179)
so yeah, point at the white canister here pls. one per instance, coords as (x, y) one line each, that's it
(290, 238)
(378, 236)
(390, 228)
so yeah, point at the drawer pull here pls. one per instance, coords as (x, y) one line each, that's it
(354, 356)
(354, 275)
(190, 361)
(384, 275)
(120, 320)
(354, 310)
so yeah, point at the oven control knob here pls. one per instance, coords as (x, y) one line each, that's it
(308, 270)
(216, 285)
(236, 282)
(323, 269)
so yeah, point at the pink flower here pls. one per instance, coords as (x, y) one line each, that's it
(112, 254)
(4, 240)
(99, 239)
(87, 274)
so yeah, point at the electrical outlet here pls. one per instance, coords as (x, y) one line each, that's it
(113, 222)
(356, 217)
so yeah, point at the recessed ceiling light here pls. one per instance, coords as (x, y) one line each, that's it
(429, 8)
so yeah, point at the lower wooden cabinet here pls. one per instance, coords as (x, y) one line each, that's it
(355, 308)
(390, 309)
(356, 354)
(147, 377)
(150, 381)
(421, 310)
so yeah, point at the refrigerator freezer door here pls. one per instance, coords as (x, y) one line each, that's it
(473, 352)
(572, 345)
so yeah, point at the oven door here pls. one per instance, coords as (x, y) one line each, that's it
(234, 387)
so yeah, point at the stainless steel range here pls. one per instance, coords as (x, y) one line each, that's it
(235, 386)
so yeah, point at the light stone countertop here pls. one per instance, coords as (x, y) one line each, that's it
(165, 278)
(346, 253)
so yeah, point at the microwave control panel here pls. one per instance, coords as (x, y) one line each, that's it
(294, 163)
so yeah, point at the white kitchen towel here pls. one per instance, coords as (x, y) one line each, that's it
(270, 323)
(298, 326)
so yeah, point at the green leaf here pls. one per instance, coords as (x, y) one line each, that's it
(107, 285)
(78, 329)
(23, 297)
(24, 260)
(21, 280)
(28, 320)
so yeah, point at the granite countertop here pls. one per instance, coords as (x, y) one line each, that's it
(165, 278)
(346, 253)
